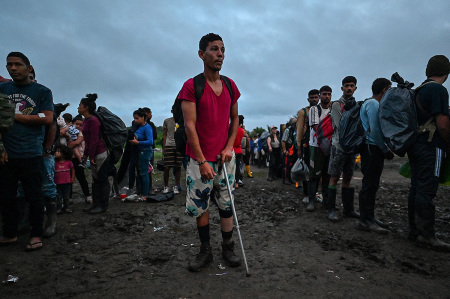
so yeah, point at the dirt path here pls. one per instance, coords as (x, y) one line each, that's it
(141, 250)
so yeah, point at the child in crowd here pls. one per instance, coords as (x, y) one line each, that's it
(69, 133)
(64, 177)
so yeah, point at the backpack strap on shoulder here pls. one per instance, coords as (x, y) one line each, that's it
(199, 86)
(227, 82)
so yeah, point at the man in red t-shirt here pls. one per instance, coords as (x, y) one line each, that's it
(211, 127)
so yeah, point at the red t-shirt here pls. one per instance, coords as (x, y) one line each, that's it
(237, 142)
(213, 117)
(63, 172)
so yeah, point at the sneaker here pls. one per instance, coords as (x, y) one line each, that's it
(166, 190)
(203, 258)
(175, 190)
(228, 254)
(88, 199)
(306, 199)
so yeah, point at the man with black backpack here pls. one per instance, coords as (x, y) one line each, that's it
(373, 152)
(303, 132)
(341, 162)
(427, 153)
(318, 160)
(211, 123)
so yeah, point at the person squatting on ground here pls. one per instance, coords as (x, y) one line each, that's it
(23, 143)
(238, 152)
(318, 161)
(303, 135)
(273, 142)
(341, 162)
(64, 177)
(172, 157)
(211, 127)
(373, 152)
(288, 142)
(97, 153)
(425, 157)
(143, 140)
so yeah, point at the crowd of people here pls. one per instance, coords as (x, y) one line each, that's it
(43, 152)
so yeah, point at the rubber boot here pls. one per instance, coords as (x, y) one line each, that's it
(332, 216)
(203, 258)
(348, 197)
(367, 217)
(249, 173)
(50, 224)
(102, 192)
(228, 254)
(425, 215)
(312, 187)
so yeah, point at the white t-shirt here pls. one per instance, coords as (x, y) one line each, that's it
(314, 119)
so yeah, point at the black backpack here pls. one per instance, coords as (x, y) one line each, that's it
(114, 132)
(398, 117)
(351, 130)
(180, 130)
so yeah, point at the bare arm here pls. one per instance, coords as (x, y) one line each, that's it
(35, 119)
(77, 142)
(300, 130)
(227, 152)
(164, 140)
(443, 127)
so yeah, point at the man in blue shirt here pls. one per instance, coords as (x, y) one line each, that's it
(373, 153)
(23, 143)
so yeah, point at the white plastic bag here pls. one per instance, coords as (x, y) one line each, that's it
(300, 171)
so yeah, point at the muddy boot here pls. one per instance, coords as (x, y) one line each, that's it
(367, 217)
(228, 254)
(50, 224)
(312, 187)
(433, 243)
(332, 216)
(203, 258)
(348, 197)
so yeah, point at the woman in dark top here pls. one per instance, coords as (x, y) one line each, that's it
(97, 153)
(144, 140)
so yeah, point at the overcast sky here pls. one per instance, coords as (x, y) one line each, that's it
(139, 53)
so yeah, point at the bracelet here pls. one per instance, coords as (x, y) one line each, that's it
(203, 162)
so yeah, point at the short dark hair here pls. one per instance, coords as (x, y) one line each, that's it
(89, 102)
(313, 91)
(349, 79)
(140, 112)
(379, 84)
(206, 39)
(21, 56)
(65, 151)
(77, 118)
(68, 117)
(325, 88)
(241, 119)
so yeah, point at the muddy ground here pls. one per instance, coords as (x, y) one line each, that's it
(141, 250)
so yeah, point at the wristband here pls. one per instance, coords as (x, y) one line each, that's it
(203, 162)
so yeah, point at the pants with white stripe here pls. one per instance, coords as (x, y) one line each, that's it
(425, 160)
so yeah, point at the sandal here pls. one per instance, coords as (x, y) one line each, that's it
(7, 241)
(141, 199)
(32, 246)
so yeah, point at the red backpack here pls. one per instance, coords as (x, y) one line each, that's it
(325, 132)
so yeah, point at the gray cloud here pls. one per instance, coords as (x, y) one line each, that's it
(139, 53)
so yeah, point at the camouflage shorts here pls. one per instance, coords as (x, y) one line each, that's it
(198, 190)
(341, 162)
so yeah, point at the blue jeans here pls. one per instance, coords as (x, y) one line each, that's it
(48, 175)
(144, 158)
